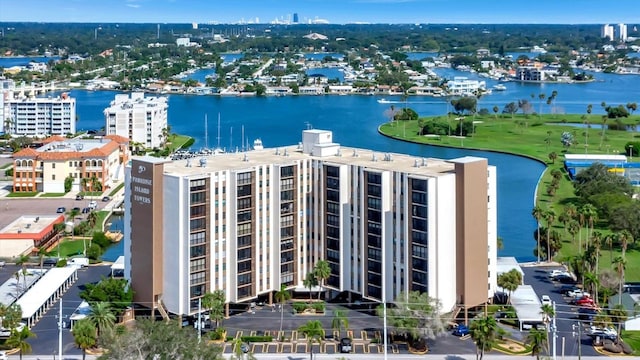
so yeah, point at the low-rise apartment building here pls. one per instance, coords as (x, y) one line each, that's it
(247, 223)
(31, 116)
(141, 119)
(90, 163)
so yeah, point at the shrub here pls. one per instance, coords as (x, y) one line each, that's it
(318, 307)
(217, 334)
(8, 172)
(250, 339)
(61, 263)
(188, 143)
(299, 307)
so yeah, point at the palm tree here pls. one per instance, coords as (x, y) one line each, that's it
(618, 315)
(541, 97)
(84, 335)
(322, 271)
(281, 297)
(609, 241)
(604, 123)
(42, 252)
(549, 217)
(537, 339)
(591, 215)
(620, 264)
(547, 313)
(309, 282)
(537, 214)
(92, 218)
(339, 320)
(22, 262)
(18, 340)
(313, 331)
(484, 332)
(102, 317)
(591, 282)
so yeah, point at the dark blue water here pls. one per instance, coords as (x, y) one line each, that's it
(117, 249)
(330, 73)
(279, 121)
(7, 62)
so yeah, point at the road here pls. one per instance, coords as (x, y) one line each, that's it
(298, 356)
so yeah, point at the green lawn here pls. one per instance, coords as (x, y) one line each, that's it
(90, 193)
(633, 339)
(116, 189)
(533, 137)
(22, 194)
(53, 195)
(6, 166)
(102, 215)
(177, 141)
(69, 247)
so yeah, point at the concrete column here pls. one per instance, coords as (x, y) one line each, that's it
(226, 310)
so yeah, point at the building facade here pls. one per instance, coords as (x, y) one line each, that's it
(31, 116)
(245, 223)
(143, 120)
(87, 162)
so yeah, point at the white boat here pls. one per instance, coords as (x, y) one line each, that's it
(257, 144)
(499, 87)
(383, 101)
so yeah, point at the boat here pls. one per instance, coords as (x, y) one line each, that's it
(499, 87)
(257, 144)
(383, 101)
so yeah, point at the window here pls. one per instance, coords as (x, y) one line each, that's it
(197, 238)
(197, 224)
(53, 176)
(198, 250)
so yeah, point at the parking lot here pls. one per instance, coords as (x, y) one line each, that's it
(566, 314)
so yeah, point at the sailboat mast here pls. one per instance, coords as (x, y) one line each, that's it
(206, 132)
(242, 139)
(218, 131)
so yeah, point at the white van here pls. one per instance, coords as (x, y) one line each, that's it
(79, 261)
(93, 205)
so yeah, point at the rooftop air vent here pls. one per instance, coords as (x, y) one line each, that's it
(374, 158)
(246, 158)
(203, 162)
(286, 153)
(338, 153)
(416, 163)
(424, 162)
(188, 163)
(277, 151)
(355, 153)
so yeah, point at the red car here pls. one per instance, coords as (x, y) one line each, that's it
(585, 301)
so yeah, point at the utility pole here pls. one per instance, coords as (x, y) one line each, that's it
(60, 332)
(555, 331)
(579, 327)
(199, 320)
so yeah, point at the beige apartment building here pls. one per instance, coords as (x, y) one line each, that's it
(247, 223)
(86, 161)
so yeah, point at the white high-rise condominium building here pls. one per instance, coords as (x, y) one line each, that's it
(247, 223)
(142, 120)
(607, 32)
(30, 116)
(622, 32)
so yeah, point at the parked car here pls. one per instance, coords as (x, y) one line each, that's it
(93, 205)
(606, 333)
(79, 261)
(565, 279)
(79, 197)
(566, 288)
(3, 356)
(545, 300)
(461, 330)
(61, 210)
(585, 301)
(50, 261)
(578, 293)
(76, 209)
(587, 313)
(555, 274)
(86, 210)
(106, 198)
(345, 345)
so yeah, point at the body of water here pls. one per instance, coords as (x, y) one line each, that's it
(7, 62)
(330, 73)
(354, 119)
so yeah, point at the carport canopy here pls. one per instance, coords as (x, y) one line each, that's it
(527, 304)
(118, 265)
(44, 292)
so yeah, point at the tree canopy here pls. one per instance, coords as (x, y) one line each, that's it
(116, 292)
(416, 315)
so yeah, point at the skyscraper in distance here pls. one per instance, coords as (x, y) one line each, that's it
(295, 18)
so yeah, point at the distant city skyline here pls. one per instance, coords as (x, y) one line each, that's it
(322, 11)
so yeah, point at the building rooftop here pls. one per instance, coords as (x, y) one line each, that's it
(58, 148)
(29, 226)
(289, 154)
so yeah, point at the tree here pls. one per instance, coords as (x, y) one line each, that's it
(309, 282)
(553, 156)
(510, 281)
(537, 214)
(464, 104)
(495, 111)
(549, 217)
(618, 315)
(10, 316)
(282, 296)
(537, 339)
(547, 313)
(18, 340)
(102, 317)
(85, 335)
(313, 331)
(620, 264)
(116, 292)
(164, 339)
(322, 271)
(510, 108)
(484, 332)
(214, 302)
(597, 179)
(416, 315)
(339, 321)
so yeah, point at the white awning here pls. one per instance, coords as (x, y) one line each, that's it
(527, 304)
(119, 264)
(38, 295)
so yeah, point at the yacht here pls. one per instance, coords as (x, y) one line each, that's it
(499, 87)
(383, 101)
(257, 144)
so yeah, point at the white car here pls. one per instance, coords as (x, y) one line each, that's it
(578, 293)
(608, 332)
(546, 300)
(93, 205)
(3, 356)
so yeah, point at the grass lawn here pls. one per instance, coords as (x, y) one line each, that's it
(53, 195)
(536, 138)
(69, 247)
(6, 166)
(177, 141)
(22, 194)
(90, 193)
(116, 189)
(102, 215)
(633, 339)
